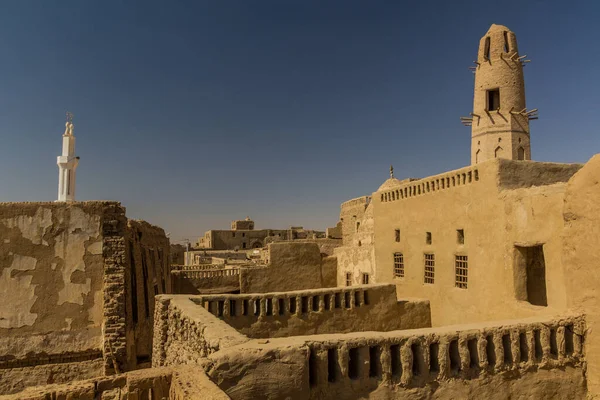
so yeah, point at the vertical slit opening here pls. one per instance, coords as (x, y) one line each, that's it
(366, 297)
(347, 299)
(396, 360)
(417, 367)
(312, 368)
(508, 358)
(538, 345)
(331, 365)
(473, 353)
(374, 361)
(434, 362)
(315, 303)
(245, 308)
(338, 300)
(454, 357)
(523, 347)
(357, 299)
(256, 307)
(220, 307)
(304, 304)
(569, 346)
(232, 310)
(353, 363)
(281, 304)
(292, 305)
(490, 351)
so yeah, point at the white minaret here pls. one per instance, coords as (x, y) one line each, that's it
(67, 164)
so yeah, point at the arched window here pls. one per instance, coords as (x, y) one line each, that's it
(521, 153)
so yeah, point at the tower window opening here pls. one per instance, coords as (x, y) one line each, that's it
(506, 45)
(520, 153)
(486, 50)
(493, 99)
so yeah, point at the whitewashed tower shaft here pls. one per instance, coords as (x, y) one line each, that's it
(67, 164)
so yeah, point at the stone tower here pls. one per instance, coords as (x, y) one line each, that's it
(500, 121)
(67, 164)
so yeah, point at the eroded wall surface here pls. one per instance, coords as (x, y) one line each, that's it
(292, 266)
(51, 280)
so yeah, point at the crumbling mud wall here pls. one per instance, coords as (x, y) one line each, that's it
(65, 276)
(529, 358)
(292, 266)
(51, 285)
(182, 383)
(318, 311)
(147, 274)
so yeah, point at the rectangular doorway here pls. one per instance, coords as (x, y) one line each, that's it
(530, 274)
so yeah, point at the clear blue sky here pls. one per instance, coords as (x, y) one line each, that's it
(196, 113)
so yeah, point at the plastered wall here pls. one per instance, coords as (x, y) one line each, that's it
(498, 204)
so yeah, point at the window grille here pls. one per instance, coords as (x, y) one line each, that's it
(429, 268)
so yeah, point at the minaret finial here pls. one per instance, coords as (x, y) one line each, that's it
(391, 171)
(69, 116)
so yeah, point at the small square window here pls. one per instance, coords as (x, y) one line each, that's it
(460, 236)
(493, 99)
(397, 235)
(428, 237)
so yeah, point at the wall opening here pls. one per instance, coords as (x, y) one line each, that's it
(454, 357)
(338, 300)
(523, 347)
(220, 308)
(331, 365)
(281, 304)
(134, 299)
(486, 49)
(506, 45)
(232, 310)
(398, 265)
(427, 237)
(396, 360)
(520, 153)
(460, 236)
(366, 300)
(434, 362)
(256, 307)
(530, 274)
(374, 361)
(357, 299)
(246, 307)
(553, 343)
(473, 353)
(353, 363)
(292, 305)
(417, 367)
(490, 351)
(312, 368)
(315, 303)
(508, 358)
(397, 235)
(538, 345)
(569, 345)
(461, 267)
(304, 304)
(493, 99)
(365, 279)
(429, 269)
(348, 279)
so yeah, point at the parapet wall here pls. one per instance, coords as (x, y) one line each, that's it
(205, 280)
(309, 312)
(533, 358)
